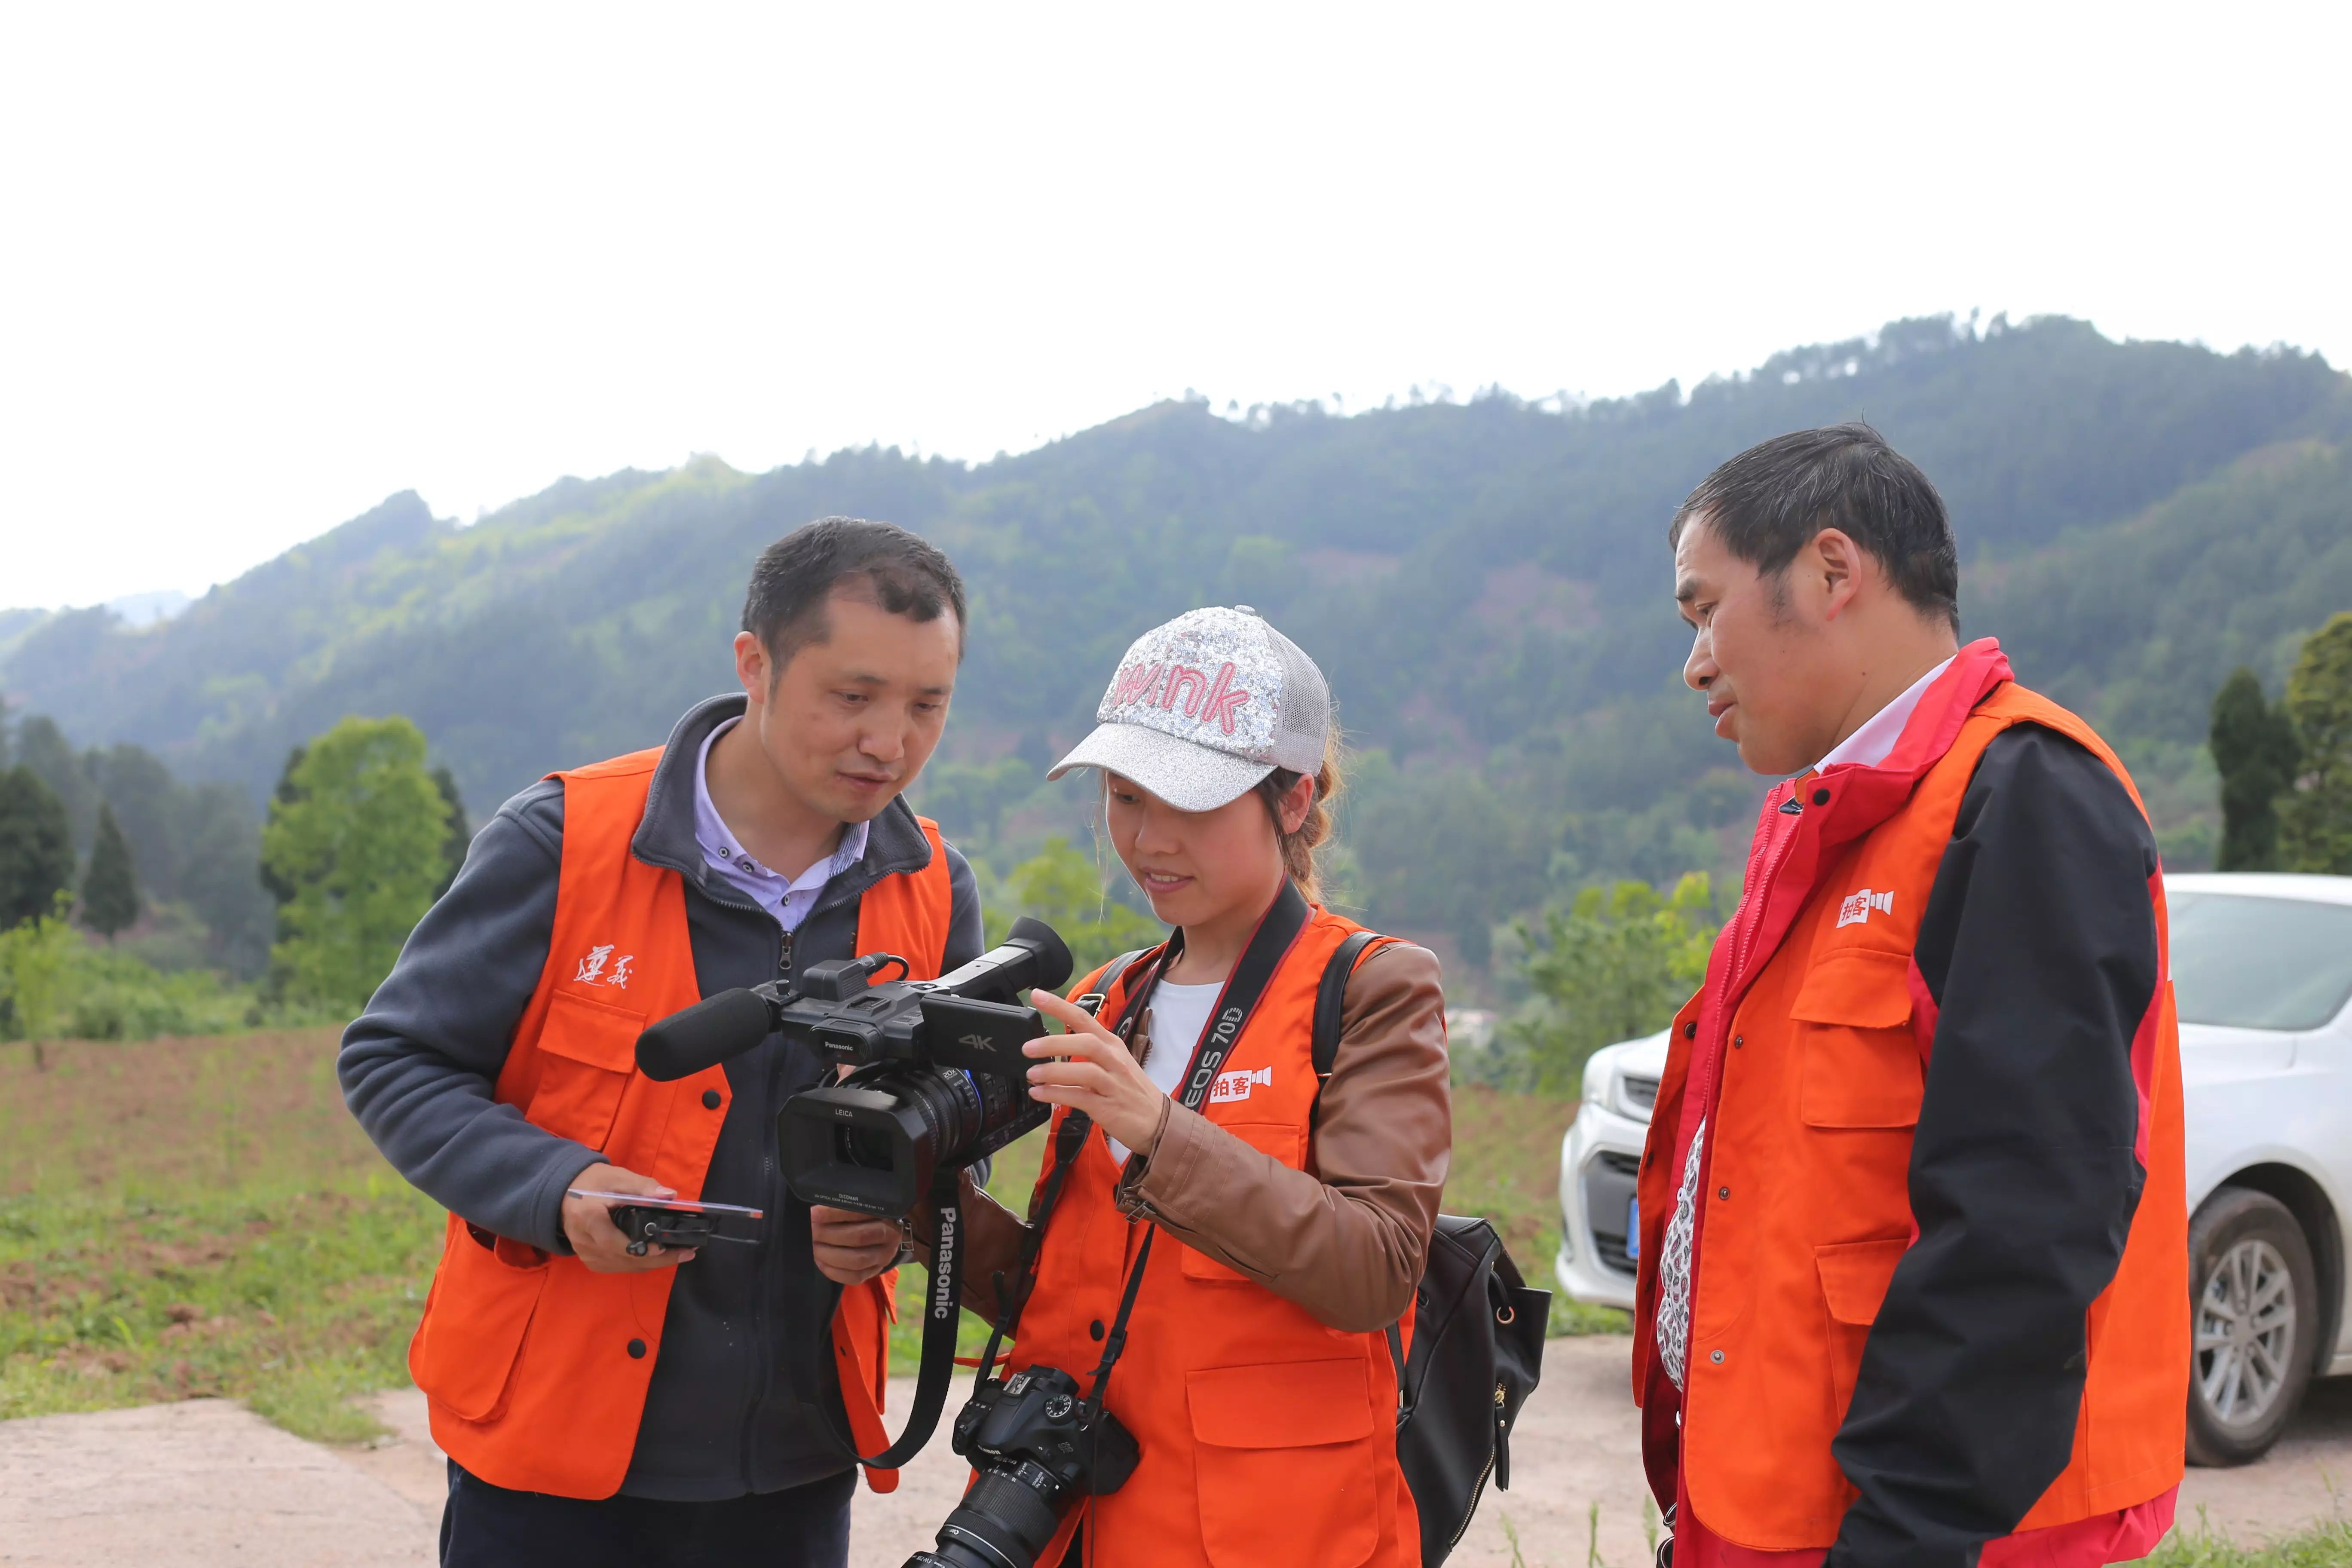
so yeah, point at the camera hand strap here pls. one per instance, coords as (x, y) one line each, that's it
(942, 1310)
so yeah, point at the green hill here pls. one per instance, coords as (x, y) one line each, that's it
(1484, 582)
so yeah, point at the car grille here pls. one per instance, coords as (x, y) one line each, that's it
(1641, 1094)
(1608, 1186)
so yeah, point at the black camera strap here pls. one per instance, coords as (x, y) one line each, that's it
(935, 1373)
(942, 1314)
(1277, 932)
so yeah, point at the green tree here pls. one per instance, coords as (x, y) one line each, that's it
(360, 846)
(968, 799)
(2316, 820)
(42, 747)
(1061, 886)
(37, 859)
(151, 807)
(1614, 964)
(220, 873)
(2255, 751)
(36, 962)
(460, 835)
(288, 793)
(110, 886)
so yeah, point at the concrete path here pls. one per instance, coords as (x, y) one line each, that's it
(204, 1484)
(207, 1485)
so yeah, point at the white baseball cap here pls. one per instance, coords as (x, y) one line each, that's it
(1204, 706)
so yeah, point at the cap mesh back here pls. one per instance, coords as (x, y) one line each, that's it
(1302, 721)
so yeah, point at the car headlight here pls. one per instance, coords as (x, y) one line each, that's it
(1596, 1086)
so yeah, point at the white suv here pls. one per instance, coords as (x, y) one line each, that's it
(2262, 970)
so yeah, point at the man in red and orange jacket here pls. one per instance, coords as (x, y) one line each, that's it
(1913, 1284)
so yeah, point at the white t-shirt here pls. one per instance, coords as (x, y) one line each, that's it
(1174, 1022)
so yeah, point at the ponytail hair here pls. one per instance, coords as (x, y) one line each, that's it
(1301, 846)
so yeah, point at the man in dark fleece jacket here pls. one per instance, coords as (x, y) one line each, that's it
(777, 810)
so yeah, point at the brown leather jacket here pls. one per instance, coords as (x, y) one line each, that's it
(1353, 1229)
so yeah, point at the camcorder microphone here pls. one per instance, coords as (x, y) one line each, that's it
(706, 1034)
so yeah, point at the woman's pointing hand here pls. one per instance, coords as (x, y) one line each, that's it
(1097, 1075)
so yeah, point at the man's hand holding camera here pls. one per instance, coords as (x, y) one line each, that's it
(852, 1248)
(596, 1240)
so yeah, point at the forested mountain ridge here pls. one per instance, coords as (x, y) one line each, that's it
(1485, 583)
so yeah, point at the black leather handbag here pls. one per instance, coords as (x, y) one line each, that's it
(1477, 1342)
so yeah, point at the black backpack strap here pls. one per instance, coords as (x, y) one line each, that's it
(1331, 994)
(1116, 969)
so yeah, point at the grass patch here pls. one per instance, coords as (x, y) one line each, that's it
(1507, 1167)
(187, 1217)
(2329, 1546)
(191, 1216)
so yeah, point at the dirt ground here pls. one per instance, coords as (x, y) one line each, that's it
(206, 1484)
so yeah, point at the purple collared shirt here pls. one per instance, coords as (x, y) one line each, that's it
(789, 900)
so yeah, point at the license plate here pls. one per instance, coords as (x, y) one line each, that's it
(1632, 1227)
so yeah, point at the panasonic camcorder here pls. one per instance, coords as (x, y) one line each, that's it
(937, 1080)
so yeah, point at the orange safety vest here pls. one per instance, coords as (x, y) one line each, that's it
(535, 1369)
(1266, 1436)
(1811, 1138)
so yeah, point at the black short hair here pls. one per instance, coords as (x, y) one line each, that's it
(1769, 502)
(793, 578)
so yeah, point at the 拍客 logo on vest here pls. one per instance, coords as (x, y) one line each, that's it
(601, 968)
(1855, 909)
(1238, 1084)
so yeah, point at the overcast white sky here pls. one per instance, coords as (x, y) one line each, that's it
(259, 269)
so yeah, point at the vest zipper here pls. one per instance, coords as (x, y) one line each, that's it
(761, 1367)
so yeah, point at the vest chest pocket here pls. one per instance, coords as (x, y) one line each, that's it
(1281, 1141)
(1860, 1061)
(1300, 1432)
(588, 1052)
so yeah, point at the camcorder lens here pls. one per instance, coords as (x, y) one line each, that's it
(866, 1148)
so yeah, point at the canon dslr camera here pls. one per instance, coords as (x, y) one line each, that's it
(1037, 1447)
(938, 1079)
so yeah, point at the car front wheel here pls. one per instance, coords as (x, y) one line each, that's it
(2254, 1306)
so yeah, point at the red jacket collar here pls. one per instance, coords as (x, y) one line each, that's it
(1943, 708)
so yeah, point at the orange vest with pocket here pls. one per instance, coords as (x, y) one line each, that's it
(1808, 1149)
(535, 1369)
(1266, 1436)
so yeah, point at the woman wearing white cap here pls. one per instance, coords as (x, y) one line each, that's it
(1265, 1224)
